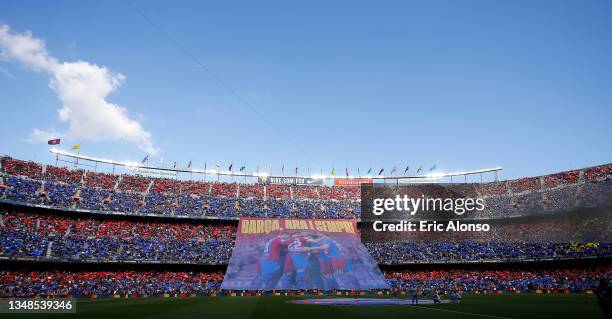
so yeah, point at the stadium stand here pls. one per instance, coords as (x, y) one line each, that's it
(143, 195)
(62, 230)
(55, 283)
(469, 251)
(25, 283)
(58, 237)
(504, 279)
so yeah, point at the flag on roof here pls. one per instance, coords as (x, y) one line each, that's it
(420, 169)
(243, 167)
(370, 170)
(189, 165)
(433, 168)
(145, 159)
(54, 141)
(333, 172)
(381, 171)
(393, 170)
(230, 167)
(75, 147)
(407, 169)
(346, 172)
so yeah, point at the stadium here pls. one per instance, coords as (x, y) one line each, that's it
(70, 232)
(305, 159)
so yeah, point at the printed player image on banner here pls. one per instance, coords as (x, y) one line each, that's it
(283, 254)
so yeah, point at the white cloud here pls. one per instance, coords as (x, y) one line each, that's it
(38, 136)
(82, 87)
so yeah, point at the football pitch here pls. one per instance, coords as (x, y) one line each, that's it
(472, 306)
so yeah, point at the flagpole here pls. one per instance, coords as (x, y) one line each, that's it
(190, 173)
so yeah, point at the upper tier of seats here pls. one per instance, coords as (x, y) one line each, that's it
(23, 181)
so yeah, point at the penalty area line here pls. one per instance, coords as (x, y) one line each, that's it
(461, 312)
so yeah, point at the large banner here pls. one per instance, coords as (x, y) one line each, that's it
(286, 254)
(352, 182)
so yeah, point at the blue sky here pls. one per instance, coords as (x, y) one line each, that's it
(526, 85)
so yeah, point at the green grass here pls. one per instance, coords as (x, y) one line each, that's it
(473, 306)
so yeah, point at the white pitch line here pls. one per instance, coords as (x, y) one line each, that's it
(461, 312)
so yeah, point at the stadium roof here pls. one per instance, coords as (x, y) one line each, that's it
(135, 165)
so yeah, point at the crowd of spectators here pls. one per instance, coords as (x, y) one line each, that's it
(21, 189)
(123, 201)
(100, 180)
(86, 239)
(224, 189)
(197, 188)
(594, 195)
(68, 238)
(63, 174)
(562, 178)
(492, 189)
(122, 283)
(170, 204)
(166, 185)
(70, 188)
(560, 198)
(28, 283)
(134, 183)
(93, 198)
(278, 191)
(251, 191)
(340, 193)
(598, 173)
(505, 279)
(581, 226)
(404, 252)
(524, 184)
(59, 194)
(71, 238)
(21, 168)
(305, 192)
(64, 195)
(160, 204)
